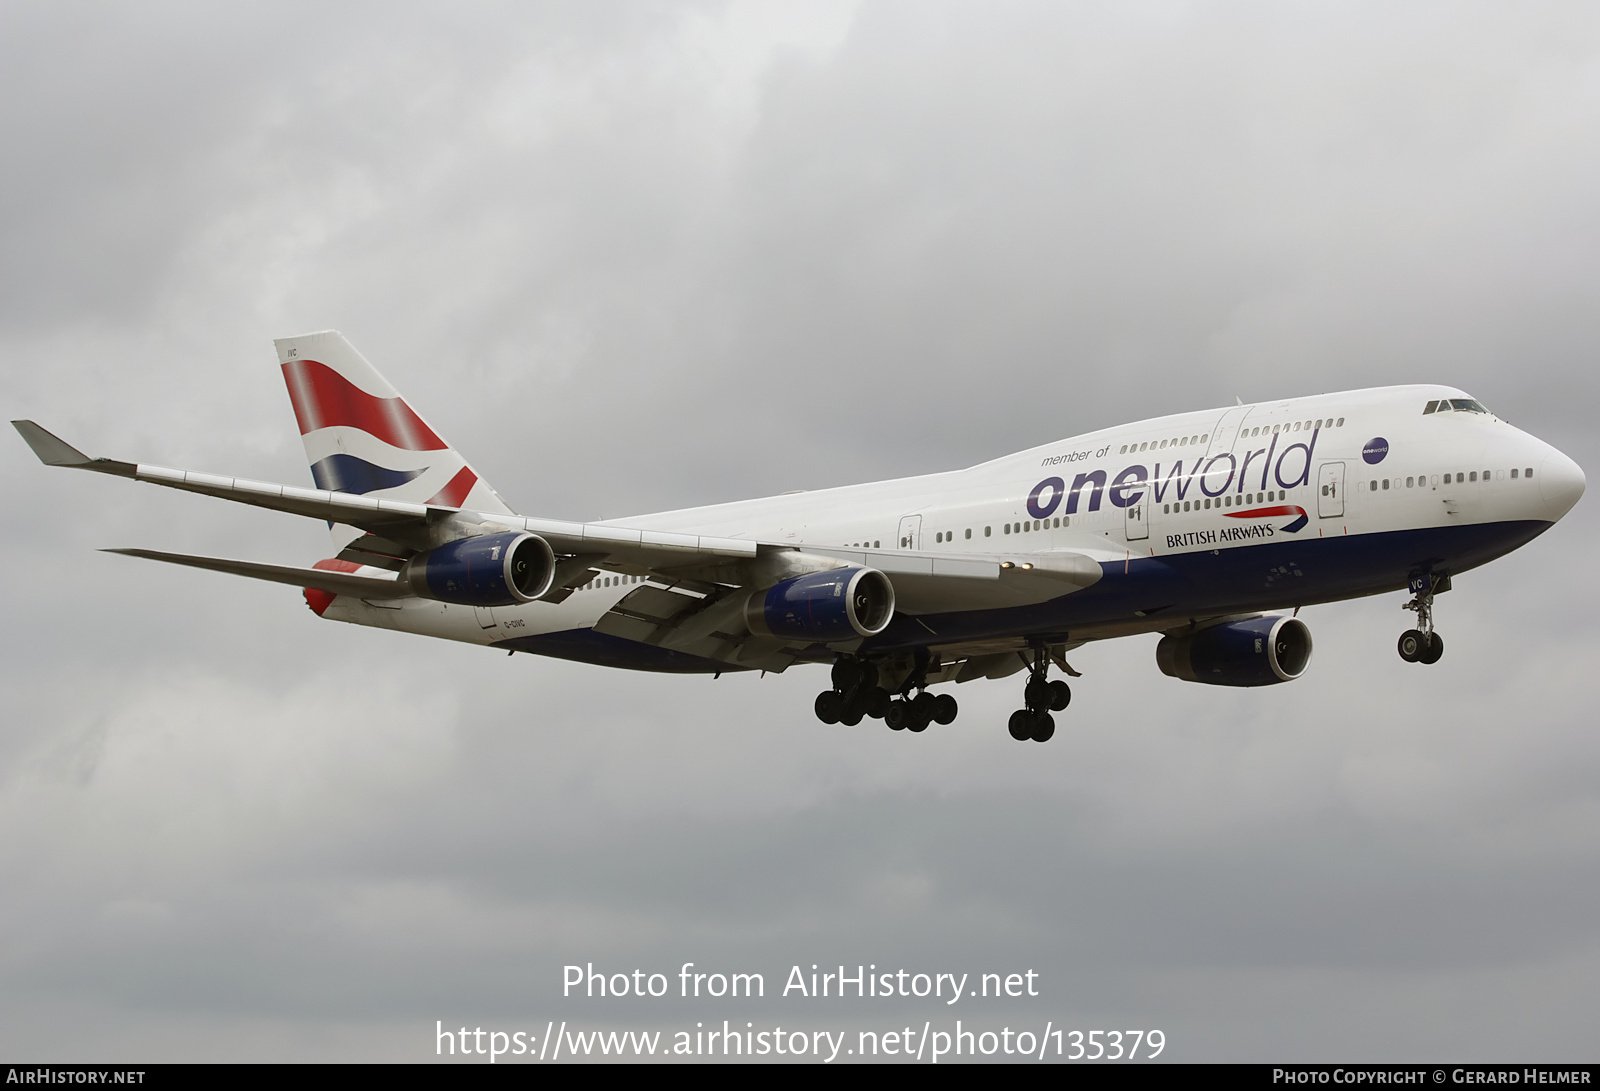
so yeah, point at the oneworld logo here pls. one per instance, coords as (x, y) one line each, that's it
(1375, 449)
(1287, 467)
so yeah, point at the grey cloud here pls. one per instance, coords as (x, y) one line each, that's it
(631, 258)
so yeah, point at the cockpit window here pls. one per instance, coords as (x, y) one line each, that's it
(1457, 405)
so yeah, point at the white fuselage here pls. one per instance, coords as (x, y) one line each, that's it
(1356, 464)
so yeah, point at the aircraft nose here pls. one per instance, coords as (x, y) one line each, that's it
(1561, 483)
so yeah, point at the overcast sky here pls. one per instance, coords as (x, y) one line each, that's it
(631, 257)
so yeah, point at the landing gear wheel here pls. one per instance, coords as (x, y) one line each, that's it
(1060, 695)
(851, 717)
(897, 716)
(944, 709)
(1411, 644)
(1432, 651)
(877, 702)
(829, 707)
(1021, 725)
(1036, 694)
(1044, 726)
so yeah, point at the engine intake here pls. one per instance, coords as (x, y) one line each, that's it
(488, 570)
(824, 607)
(1260, 651)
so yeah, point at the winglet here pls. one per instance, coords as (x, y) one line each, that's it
(55, 451)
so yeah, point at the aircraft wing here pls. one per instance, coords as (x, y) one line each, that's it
(924, 581)
(395, 521)
(332, 581)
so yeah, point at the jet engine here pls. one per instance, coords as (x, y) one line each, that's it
(1259, 651)
(823, 607)
(488, 570)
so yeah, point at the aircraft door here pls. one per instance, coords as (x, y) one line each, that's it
(1330, 490)
(1137, 522)
(1226, 430)
(911, 532)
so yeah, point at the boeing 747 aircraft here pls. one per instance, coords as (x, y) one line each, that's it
(1199, 526)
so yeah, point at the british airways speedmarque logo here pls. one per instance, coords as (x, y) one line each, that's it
(1276, 511)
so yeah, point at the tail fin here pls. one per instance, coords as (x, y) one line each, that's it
(362, 437)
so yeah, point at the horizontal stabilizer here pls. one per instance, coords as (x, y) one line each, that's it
(336, 583)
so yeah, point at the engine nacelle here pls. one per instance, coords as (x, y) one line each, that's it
(1260, 651)
(823, 607)
(488, 570)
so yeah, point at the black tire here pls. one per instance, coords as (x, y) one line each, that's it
(944, 709)
(897, 715)
(829, 706)
(1044, 727)
(851, 717)
(1021, 725)
(877, 702)
(1433, 651)
(1037, 693)
(846, 672)
(1410, 646)
(1060, 695)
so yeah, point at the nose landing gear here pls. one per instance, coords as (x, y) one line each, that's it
(1422, 644)
(1041, 697)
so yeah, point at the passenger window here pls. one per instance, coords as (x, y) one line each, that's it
(986, 532)
(1513, 475)
(1409, 480)
(1373, 486)
(1528, 472)
(1340, 424)
(1205, 437)
(1386, 484)
(1473, 476)
(969, 532)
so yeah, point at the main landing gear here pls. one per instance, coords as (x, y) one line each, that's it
(1042, 697)
(1422, 644)
(856, 694)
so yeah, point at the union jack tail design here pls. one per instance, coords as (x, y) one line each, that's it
(362, 437)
